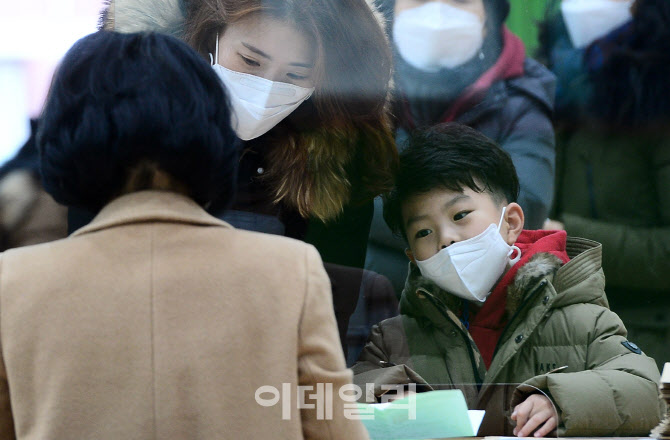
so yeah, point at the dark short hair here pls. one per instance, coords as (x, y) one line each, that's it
(119, 99)
(450, 156)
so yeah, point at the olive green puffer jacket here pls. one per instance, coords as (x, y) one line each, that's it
(561, 339)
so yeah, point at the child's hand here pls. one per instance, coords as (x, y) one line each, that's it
(532, 413)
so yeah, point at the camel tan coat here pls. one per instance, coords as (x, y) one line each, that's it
(159, 321)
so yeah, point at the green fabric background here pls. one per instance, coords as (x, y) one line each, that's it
(524, 18)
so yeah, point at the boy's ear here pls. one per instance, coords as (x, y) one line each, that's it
(410, 255)
(514, 219)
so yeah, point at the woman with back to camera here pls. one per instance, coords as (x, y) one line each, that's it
(309, 82)
(152, 320)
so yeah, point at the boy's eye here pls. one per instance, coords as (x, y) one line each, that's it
(249, 61)
(422, 233)
(461, 215)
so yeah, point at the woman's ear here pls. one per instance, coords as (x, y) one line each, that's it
(514, 220)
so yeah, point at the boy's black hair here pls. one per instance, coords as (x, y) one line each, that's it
(450, 156)
(119, 99)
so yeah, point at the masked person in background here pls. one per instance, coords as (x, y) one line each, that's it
(309, 85)
(613, 161)
(569, 27)
(456, 61)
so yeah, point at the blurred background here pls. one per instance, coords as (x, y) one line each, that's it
(35, 34)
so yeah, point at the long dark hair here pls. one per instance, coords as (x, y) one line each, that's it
(347, 119)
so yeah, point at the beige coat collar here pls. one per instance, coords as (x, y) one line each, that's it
(145, 206)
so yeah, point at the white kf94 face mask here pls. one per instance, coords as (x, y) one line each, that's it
(587, 20)
(437, 35)
(470, 268)
(258, 104)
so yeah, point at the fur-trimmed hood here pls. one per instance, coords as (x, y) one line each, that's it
(544, 348)
(584, 267)
(316, 172)
(165, 16)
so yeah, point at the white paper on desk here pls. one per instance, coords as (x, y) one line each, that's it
(476, 417)
(439, 414)
(665, 377)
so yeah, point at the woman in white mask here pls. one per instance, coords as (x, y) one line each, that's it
(309, 85)
(456, 61)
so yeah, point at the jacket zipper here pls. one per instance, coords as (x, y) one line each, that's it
(525, 302)
(439, 305)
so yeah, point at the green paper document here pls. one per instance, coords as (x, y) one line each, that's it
(434, 414)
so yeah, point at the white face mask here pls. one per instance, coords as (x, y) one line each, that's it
(258, 104)
(437, 35)
(588, 20)
(470, 268)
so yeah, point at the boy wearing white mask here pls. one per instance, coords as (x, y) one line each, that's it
(456, 61)
(487, 303)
